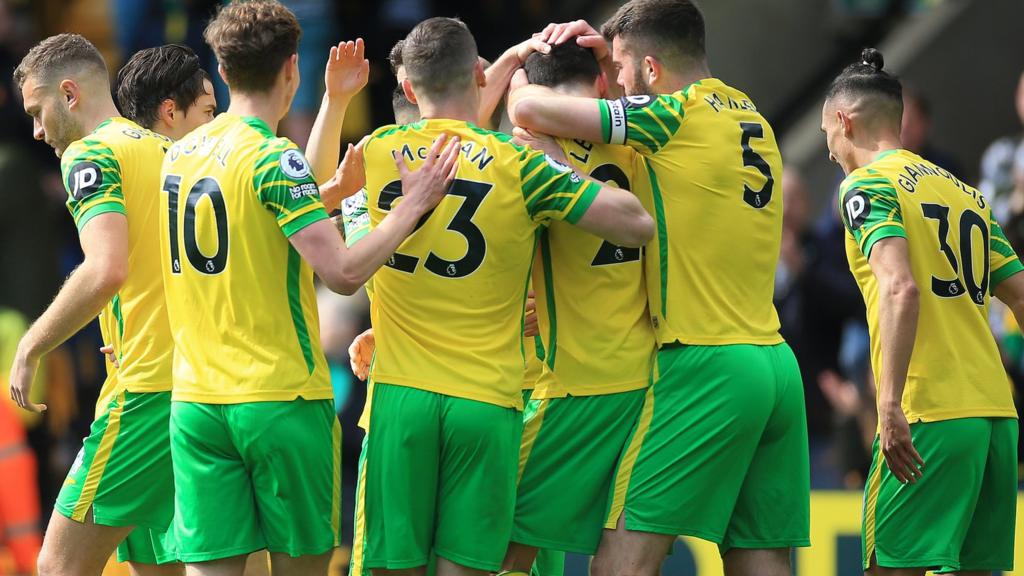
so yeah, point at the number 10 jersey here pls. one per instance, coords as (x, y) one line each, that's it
(958, 255)
(240, 299)
(447, 310)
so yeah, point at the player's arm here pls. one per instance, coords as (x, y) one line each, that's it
(499, 74)
(541, 109)
(345, 75)
(1007, 283)
(344, 269)
(104, 240)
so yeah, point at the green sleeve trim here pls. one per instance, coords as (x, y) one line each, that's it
(881, 233)
(97, 209)
(606, 123)
(355, 234)
(306, 219)
(1005, 271)
(583, 201)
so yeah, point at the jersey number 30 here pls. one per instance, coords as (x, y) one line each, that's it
(955, 287)
(206, 264)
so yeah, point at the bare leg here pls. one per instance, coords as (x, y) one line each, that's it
(172, 569)
(234, 566)
(446, 567)
(877, 570)
(78, 548)
(627, 553)
(754, 562)
(519, 557)
(285, 565)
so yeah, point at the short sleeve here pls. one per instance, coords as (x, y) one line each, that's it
(552, 190)
(284, 184)
(92, 178)
(1002, 259)
(355, 217)
(646, 123)
(871, 211)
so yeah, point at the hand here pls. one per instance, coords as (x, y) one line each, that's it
(347, 180)
(900, 455)
(585, 34)
(529, 46)
(347, 70)
(530, 327)
(841, 394)
(23, 373)
(108, 349)
(360, 353)
(422, 189)
(541, 142)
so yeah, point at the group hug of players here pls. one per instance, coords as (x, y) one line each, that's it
(658, 397)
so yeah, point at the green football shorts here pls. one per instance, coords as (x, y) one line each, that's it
(720, 450)
(437, 473)
(960, 515)
(123, 471)
(146, 546)
(567, 463)
(256, 475)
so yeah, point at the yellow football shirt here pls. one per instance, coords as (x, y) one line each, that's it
(240, 298)
(448, 306)
(958, 254)
(591, 299)
(116, 168)
(714, 166)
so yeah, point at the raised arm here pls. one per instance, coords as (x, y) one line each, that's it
(344, 269)
(499, 74)
(345, 75)
(898, 306)
(104, 240)
(543, 110)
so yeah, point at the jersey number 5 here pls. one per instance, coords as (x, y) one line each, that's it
(462, 224)
(953, 288)
(207, 186)
(756, 198)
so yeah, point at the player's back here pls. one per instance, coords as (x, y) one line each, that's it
(240, 298)
(957, 253)
(116, 169)
(714, 167)
(448, 306)
(591, 297)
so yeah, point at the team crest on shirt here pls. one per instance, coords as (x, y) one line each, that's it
(856, 209)
(638, 101)
(293, 164)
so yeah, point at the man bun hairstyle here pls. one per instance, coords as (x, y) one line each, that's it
(867, 79)
(567, 63)
(440, 57)
(150, 76)
(670, 30)
(60, 54)
(252, 40)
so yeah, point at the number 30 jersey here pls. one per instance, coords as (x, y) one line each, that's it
(714, 168)
(958, 255)
(448, 307)
(240, 298)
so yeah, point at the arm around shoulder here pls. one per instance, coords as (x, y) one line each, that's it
(617, 216)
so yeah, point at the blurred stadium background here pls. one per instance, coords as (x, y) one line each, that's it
(961, 62)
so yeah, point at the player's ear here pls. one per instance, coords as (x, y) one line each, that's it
(166, 111)
(222, 74)
(601, 85)
(407, 88)
(69, 93)
(846, 123)
(478, 71)
(653, 70)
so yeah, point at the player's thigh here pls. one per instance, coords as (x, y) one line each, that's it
(569, 453)
(477, 482)
(627, 552)
(71, 547)
(988, 545)
(214, 502)
(122, 476)
(309, 565)
(773, 507)
(293, 452)
(399, 483)
(923, 525)
(697, 432)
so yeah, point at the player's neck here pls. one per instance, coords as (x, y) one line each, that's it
(266, 107)
(456, 109)
(678, 80)
(866, 153)
(91, 119)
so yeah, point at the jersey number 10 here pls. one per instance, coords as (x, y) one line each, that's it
(207, 186)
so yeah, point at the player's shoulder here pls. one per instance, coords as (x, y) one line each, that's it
(285, 155)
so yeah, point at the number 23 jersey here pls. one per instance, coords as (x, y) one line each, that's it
(958, 255)
(240, 298)
(448, 306)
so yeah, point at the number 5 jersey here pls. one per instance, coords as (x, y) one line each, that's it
(240, 299)
(958, 255)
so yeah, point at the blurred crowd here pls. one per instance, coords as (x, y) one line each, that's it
(821, 310)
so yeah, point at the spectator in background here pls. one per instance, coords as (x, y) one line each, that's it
(916, 130)
(997, 165)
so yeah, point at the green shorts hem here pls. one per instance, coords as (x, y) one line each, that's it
(543, 544)
(931, 563)
(219, 554)
(303, 552)
(112, 521)
(475, 563)
(672, 531)
(393, 565)
(766, 544)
